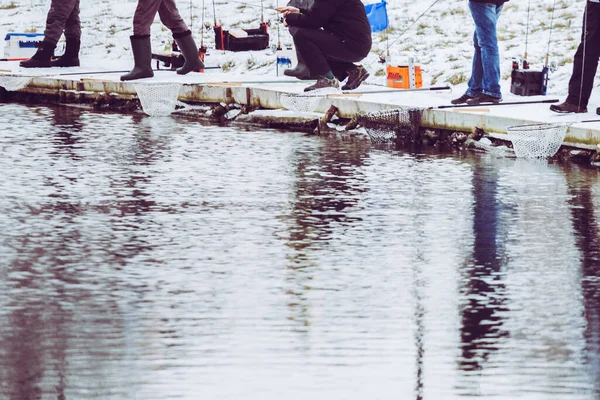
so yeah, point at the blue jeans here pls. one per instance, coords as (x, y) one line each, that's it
(485, 74)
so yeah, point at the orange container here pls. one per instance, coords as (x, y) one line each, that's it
(399, 77)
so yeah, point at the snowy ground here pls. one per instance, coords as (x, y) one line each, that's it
(438, 36)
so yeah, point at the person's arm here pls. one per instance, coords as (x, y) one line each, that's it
(320, 13)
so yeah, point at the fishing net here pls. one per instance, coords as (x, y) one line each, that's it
(536, 140)
(389, 125)
(307, 101)
(158, 98)
(14, 82)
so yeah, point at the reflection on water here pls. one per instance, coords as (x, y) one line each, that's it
(160, 258)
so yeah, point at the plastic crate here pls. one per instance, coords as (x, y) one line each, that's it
(399, 77)
(21, 45)
(525, 82)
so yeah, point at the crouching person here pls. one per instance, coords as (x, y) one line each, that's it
(62, 17)
(140, 40)
(333, 34)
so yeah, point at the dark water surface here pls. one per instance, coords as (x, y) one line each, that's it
(158, 258)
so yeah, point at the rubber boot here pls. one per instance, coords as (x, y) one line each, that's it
(300, 71)
(189, 50)
(71, 56)
(142, 58)
(42, 57)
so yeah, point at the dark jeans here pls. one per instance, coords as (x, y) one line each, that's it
(485, 73)
(324, 51)
(585, 63)
(63, 17)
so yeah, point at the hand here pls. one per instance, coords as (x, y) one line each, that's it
(288, 10)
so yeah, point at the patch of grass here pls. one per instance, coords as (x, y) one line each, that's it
(564, 61)
(435, 77)
(380, 72)
(452, 57)
(8, 6)
(457, 79)
(228, 65)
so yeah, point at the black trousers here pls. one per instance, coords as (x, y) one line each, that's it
(63, 16)
(585, 63)
(324, 51)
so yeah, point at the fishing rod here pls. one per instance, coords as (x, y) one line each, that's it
(358, 94)
(14, 59)
(101, 72)
(508, 103)
(546, 68)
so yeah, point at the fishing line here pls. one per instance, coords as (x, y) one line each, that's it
(404, 31)
(203, 27)
(527, 31)
(191, 17)
(278, 23)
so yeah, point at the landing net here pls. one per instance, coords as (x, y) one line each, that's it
(390, 125)
(536, 140)
(14, 82)
(307, 101)
(159, 98)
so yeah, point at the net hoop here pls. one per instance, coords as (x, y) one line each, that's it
(158, 99)
(537, 140)
(13, 83)
(307, 101)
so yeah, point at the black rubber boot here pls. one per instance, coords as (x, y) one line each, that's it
(142, 58)
(71, 56)
(42, 57)
(300, 71)
(189, 50)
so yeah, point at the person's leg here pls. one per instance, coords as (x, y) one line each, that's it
(73, 41)
(319, 47)
(144, 15)
(170, 17)
(474, 86)
(300, 71)
(585, 64)
(141, 45)
(56, 20)
(485, 16)
(73, 24)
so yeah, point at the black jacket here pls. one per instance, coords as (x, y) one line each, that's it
(345, 18)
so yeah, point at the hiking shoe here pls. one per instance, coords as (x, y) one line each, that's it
(567, 108)
(356, 76)
(462, 99)
(322, 83)
(483, 99)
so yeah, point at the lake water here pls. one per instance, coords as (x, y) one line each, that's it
(162, 258)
